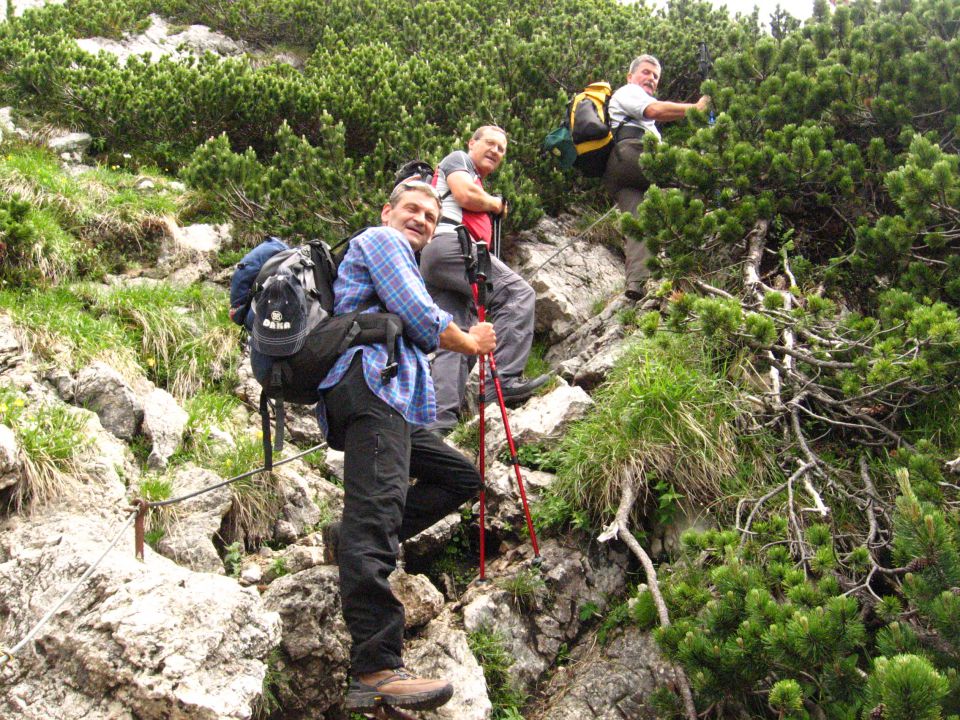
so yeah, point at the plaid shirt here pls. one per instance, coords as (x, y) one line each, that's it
(379, 264)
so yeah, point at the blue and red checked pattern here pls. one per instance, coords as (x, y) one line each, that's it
(380, 264)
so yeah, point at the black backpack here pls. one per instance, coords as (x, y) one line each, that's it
(284, 297)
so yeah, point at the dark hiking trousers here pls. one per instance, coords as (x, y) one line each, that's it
(381, 509)
(626, 184)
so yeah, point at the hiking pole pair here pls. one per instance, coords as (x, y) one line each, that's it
(476, 258)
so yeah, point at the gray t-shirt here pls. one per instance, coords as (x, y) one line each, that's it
(627, 105)
(456, 161)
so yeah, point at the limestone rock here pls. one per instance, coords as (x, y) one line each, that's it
(11, 468)
(19, 6)
(442, 650)
(75, 142)
(102, 389)
(157, 41)
(299, 511)
(432, 539)
(422, 602)
(586, 356)
(164, 423)
(571, 276)
(187, 253)
(188, 539)
(315, 641)
(612, 681)
(11, 351)
(542, 418)
(534, 628)
(144, 639)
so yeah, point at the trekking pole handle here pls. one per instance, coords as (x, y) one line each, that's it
(705, 64)
(467, 252)
(482, 273)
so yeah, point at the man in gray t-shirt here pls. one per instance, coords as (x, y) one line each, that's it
(510, 303)
(634, 111)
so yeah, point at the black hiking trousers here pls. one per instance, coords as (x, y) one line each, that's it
(381, 508)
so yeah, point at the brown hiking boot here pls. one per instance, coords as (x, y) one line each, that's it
(397, 688)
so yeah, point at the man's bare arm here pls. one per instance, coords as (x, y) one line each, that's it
(480, 340)
(471, 196)
(666, 111)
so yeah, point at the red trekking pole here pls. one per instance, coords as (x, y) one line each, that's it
(477, 260)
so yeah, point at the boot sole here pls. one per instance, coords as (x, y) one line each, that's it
(368, 700)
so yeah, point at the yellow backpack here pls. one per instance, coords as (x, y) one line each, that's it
(589, 125)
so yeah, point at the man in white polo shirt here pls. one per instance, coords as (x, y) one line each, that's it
(634, 111)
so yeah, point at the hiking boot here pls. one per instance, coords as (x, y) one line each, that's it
(331, 542)
(634, 293)
(517, 391)
(397, 688)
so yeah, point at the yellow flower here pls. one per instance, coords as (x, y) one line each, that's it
(151, 362)
(19, 402)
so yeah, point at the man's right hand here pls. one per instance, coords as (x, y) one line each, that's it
(485, 337)
(703, 103)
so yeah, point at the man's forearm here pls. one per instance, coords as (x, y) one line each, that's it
(666, 111)
(455, 339)
(471, 196)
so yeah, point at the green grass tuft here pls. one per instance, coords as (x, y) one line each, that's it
(663, 417)
(53, 443)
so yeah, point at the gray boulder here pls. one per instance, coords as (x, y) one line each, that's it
(570, 275)
(74, 143)
(541, 419)
(442, 650)
(534, 626)
(11, 468)
(147, 639)
(105, 391)
(315, 641)
(157, 42)
(611, 681)
(192, 524)
(586, 356)
(164, 423)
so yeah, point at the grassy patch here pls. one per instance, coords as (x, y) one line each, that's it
(662, 417)
(490, 649)
(178, 337)
(53, 443)
(526, 586)
(74, 226)
(536, 362)
(256, 499)
(156, 489)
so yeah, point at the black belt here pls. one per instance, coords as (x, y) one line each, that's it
(449, 221)
(629, 132)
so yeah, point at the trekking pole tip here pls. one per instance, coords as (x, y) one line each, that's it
(537, 561)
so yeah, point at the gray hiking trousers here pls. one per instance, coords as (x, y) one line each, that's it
(510, 307)
(626, 184)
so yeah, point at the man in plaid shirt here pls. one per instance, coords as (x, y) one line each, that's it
(379, 424)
